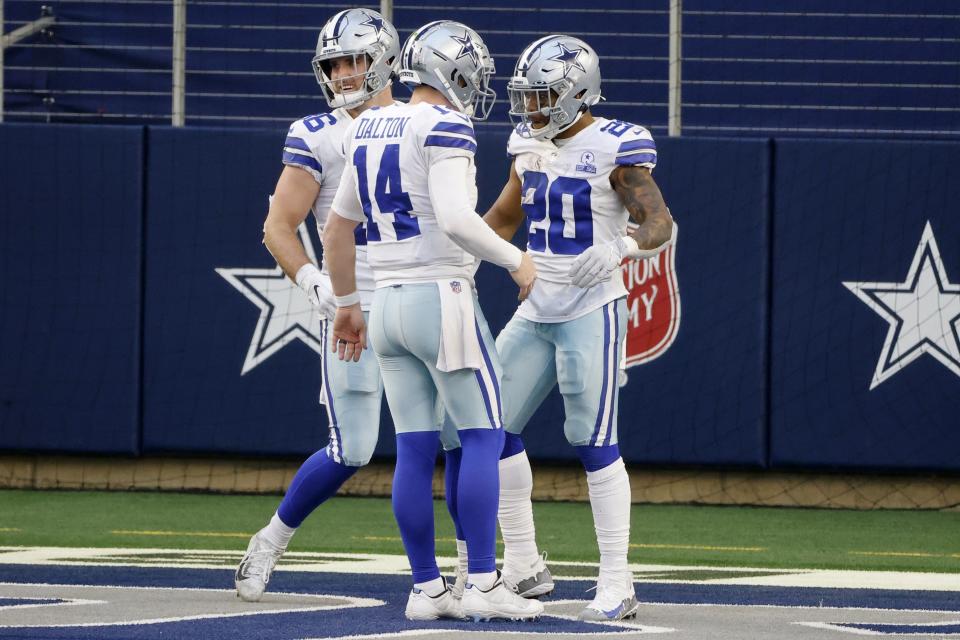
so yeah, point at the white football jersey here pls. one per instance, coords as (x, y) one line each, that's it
(389, 152)
(570, 205)
(315, 144)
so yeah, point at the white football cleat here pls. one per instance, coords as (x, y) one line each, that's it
(459, 582)
(534, 583)
(254, 571)
(498, 603)
(421, 606)
(612, 602)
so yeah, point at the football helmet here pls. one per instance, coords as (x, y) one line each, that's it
(556, 80)
(451, 58)
(356, 33)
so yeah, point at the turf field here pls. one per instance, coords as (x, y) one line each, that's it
(150, 566)
(670, 535)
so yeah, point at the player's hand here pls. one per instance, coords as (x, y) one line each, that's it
(349, 335)
(595, 265)
(525, 276)
(318, 292)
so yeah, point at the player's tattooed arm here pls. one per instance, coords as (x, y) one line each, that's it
(506, 215)
(642, 198)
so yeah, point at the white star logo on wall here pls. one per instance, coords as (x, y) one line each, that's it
(923, 312)
(285, 312)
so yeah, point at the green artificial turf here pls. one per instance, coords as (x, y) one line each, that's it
(680, 535)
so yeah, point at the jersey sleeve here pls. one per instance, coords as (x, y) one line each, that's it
(518, 144)
(347, 203)
(636, 148)
(301, 149)
(448, 135)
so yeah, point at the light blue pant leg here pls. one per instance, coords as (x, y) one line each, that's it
(411, 394)
(405, 333)
(588, 355)
(352, 392)
(527, 354)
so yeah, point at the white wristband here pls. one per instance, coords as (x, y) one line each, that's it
(348, 300)
(634, 251)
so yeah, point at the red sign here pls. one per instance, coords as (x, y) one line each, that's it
(653, 306)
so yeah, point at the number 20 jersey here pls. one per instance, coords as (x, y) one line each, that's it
(570, 205)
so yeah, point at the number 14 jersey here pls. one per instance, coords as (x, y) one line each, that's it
(570, 205)
(389, 152)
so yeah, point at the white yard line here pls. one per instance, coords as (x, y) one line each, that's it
(383, 564)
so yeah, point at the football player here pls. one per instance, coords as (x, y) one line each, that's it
(412, 180)
(354, 64)
(577, 179)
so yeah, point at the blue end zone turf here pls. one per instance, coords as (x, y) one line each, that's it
(19, 602)
(393, 590)
(906, 629)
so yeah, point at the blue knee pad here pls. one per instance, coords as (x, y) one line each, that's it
(512, 445)
(596, 458)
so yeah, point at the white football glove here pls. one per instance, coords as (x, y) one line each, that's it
(596, 265)
(318, 290)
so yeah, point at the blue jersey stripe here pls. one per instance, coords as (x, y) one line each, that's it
(453, 127)
(633, 145)
(297, 143)
(450, 141)
(637, 158)
(305, 161)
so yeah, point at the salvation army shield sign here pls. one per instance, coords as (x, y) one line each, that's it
(653, 306)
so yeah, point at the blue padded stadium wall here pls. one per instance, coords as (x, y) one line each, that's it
(70, 291)
(138, 249)
(762, 373)
(849, 214)
(207, 198)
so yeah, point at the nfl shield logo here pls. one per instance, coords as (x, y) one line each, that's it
(455, 286)
(653, 307)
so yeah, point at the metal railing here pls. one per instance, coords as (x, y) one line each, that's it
(674, 69)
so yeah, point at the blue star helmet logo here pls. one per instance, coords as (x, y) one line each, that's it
(467, 48)
(373, 21)
(569, 58)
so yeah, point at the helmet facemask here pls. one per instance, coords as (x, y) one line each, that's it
(530, 104)
(472, 95)
(368, 82)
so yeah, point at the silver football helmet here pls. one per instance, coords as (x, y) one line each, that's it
(556, 80)
(451, 58)
(356, 33)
